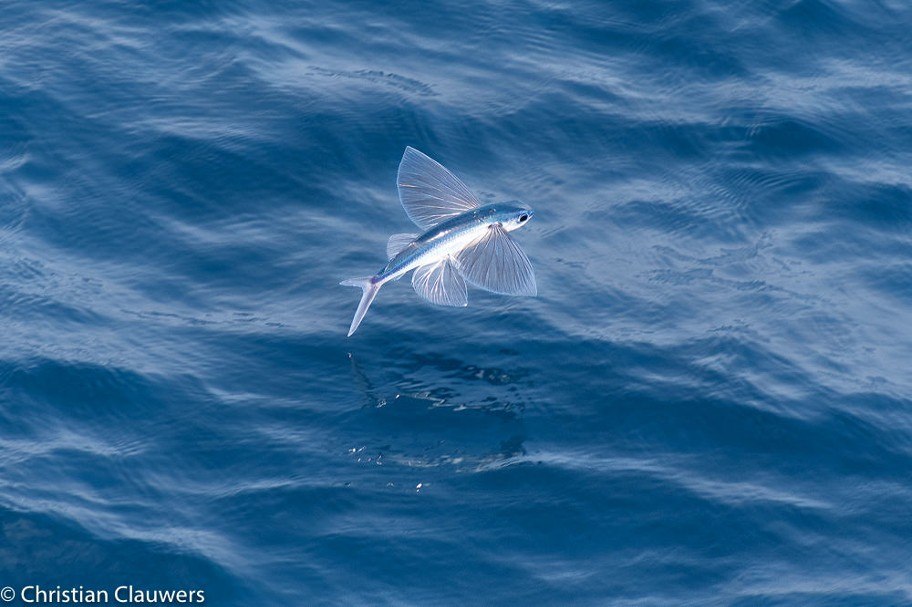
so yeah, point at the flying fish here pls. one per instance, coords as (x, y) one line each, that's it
(462, 241)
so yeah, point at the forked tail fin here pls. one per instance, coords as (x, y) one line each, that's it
(369, 288)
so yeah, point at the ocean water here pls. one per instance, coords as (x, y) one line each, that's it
(709, 402)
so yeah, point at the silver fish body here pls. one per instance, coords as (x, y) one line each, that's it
(464, 241)
(449, 238)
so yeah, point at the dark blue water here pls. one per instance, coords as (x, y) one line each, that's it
(709, 402)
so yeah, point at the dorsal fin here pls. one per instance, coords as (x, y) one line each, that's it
(397, 242)
(428, 192)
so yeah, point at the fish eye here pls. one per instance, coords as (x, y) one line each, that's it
(523, 217)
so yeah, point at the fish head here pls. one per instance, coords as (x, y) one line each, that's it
(512, 215)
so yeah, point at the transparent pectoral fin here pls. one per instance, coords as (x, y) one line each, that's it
(429, 193)
(440, 284)
(495, 263)
(397, 242)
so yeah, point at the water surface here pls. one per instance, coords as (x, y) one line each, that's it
(708, 403)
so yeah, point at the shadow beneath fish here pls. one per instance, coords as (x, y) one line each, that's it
(457, 422)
